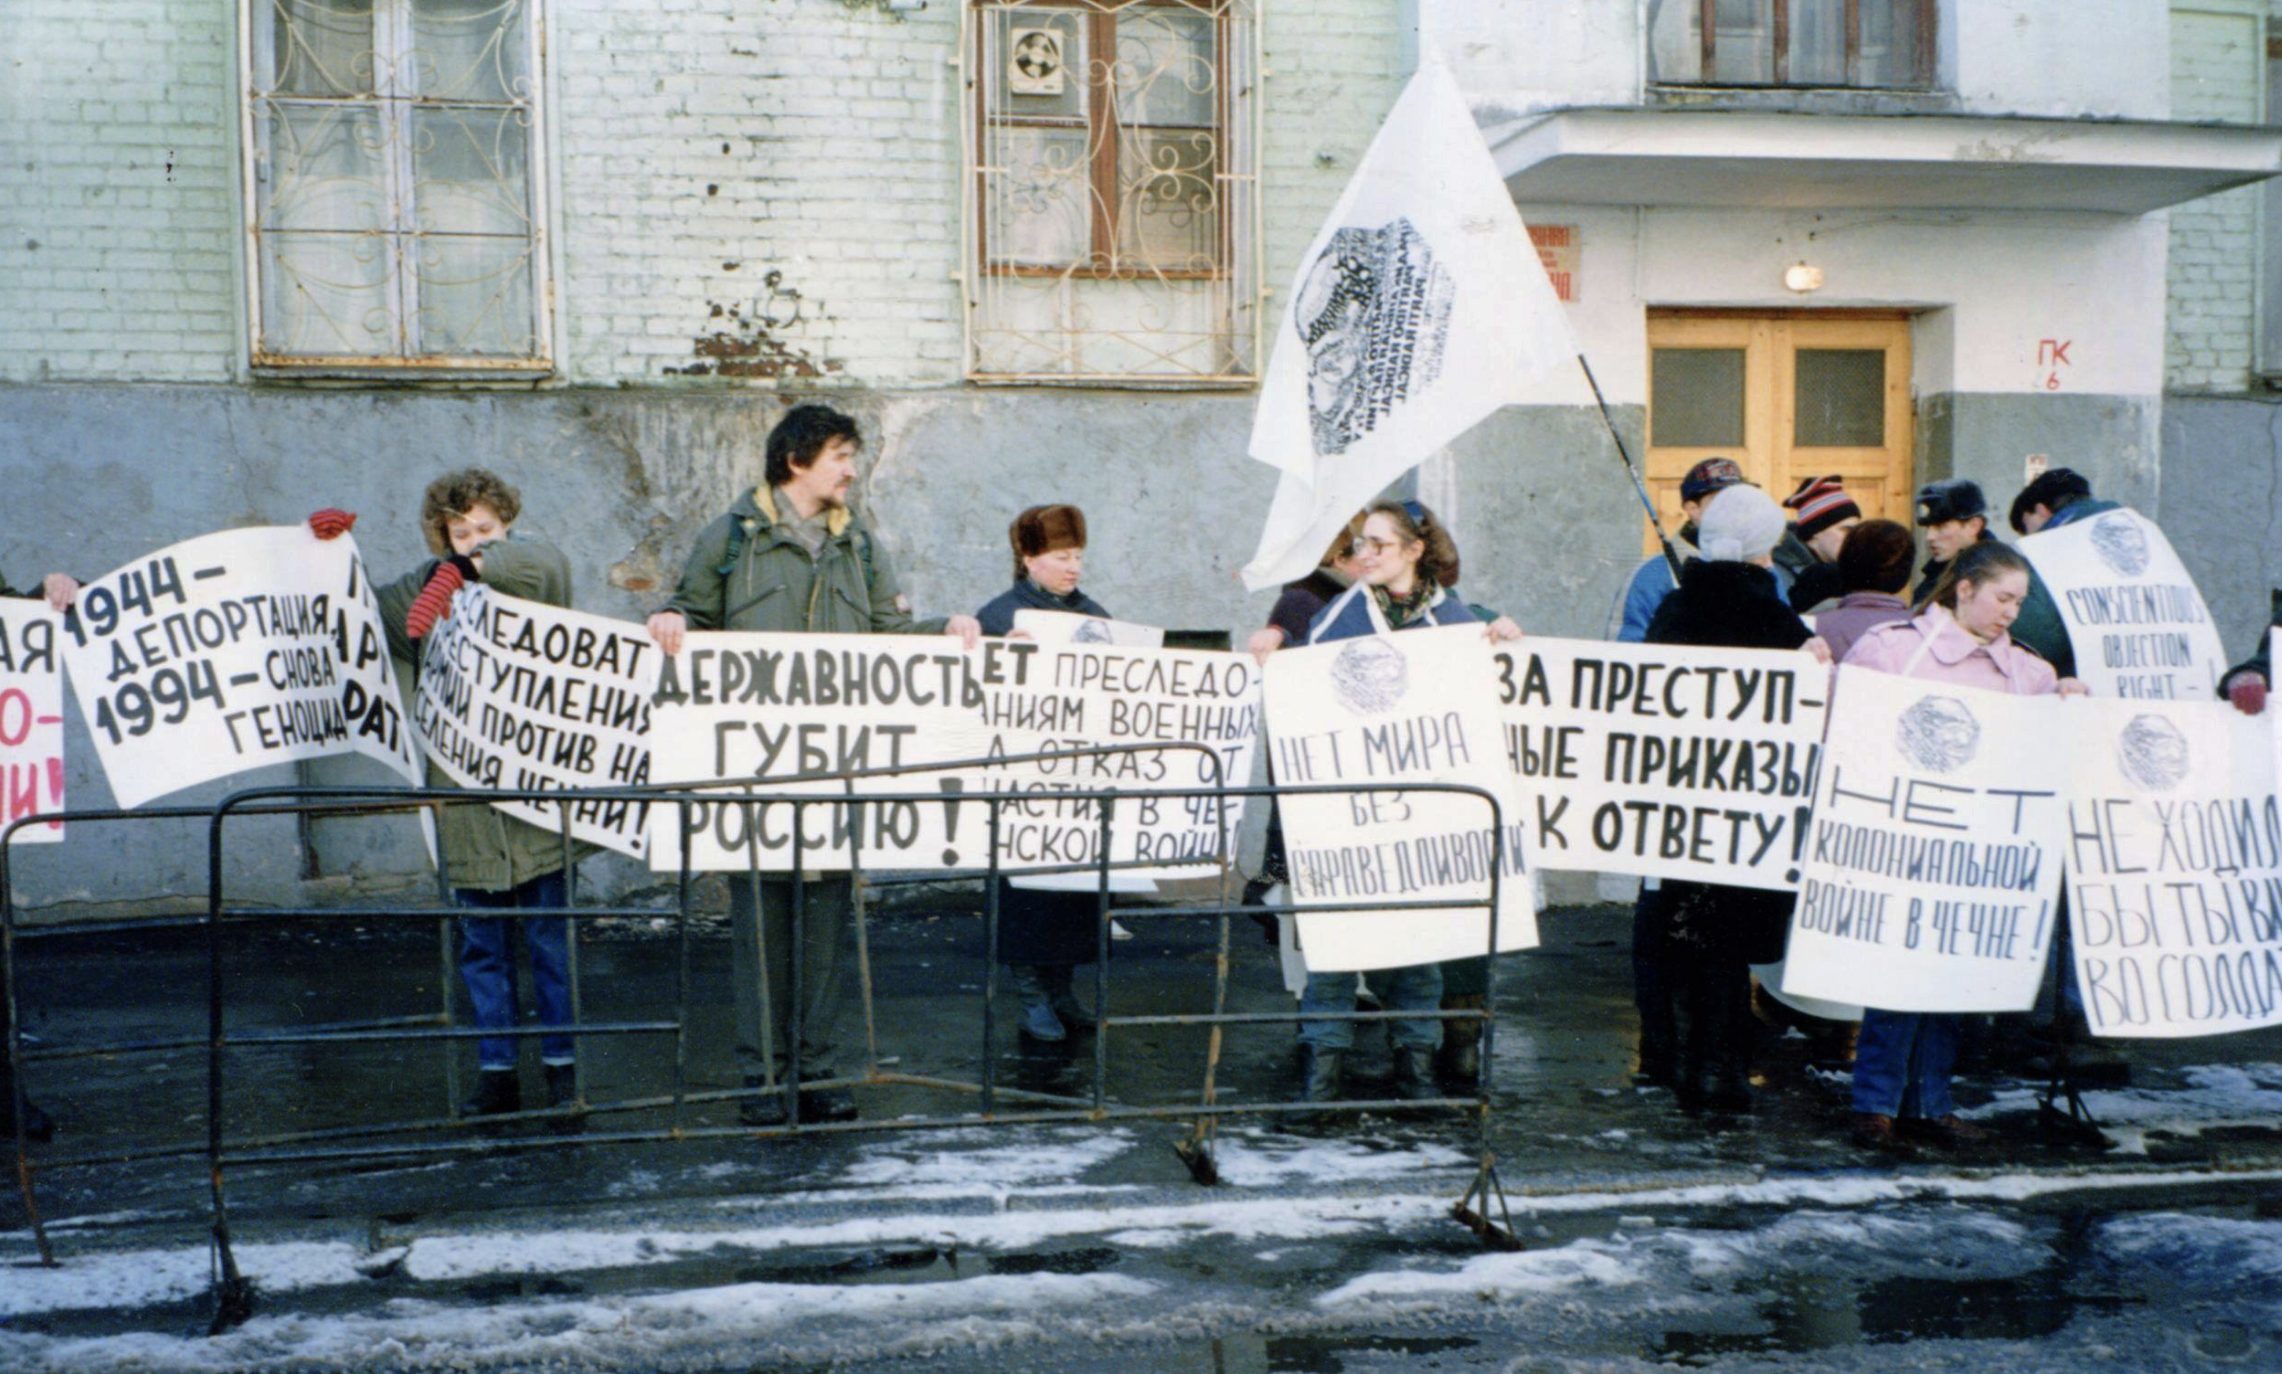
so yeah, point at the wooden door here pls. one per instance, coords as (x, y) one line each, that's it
(1787, 397)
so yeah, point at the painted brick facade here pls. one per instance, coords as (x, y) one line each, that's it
(2217, 75)
(118, 209)
(745, 191)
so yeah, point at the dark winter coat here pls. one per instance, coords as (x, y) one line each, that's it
(997, 614)
(2260, 662)
(484, 848)
(1046, 929)
(748, 573)
(1296, 609)
(1728, 605)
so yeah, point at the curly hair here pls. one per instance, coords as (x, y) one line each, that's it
(801, 435)
(1439, 562)
(455, 494)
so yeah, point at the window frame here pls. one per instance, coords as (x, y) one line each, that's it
(1103, 129)
(257, 34)
(1924, 74)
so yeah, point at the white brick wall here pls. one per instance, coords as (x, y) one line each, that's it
(2217, 74)
(118, 220)
(701, 148)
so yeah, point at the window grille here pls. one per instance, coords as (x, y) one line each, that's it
(394, 205)
(1112, 220)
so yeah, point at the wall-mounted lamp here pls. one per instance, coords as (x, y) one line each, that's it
(1802, 278)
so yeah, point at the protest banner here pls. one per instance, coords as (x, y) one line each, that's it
(31, 718)
(1932, 866)
(1664, 760)
(764, 707)
(2135, 618)
(2174, 868)
(1415, 707)
(233, 651)
(1064, 698)
(516, 694)
(1065, 627)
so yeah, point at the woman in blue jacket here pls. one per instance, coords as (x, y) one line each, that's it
(1407, 563)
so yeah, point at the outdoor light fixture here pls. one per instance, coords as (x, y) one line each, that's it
(1802, 278)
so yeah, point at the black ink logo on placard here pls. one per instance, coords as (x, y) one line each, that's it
(1092, 632)
(1938, 734)
(2120, 543)
(2153, 754)
(1374, 314)
(1369, 676)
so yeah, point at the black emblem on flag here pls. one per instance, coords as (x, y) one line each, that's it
(1374, 314)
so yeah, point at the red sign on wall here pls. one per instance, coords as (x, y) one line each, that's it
(1557, 249)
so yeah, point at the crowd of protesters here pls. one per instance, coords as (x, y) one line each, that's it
(791, 555)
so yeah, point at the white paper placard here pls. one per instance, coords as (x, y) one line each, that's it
(230, 652)
(2175, 868)
(518, 694)
(1664, 760)
(1419, 706)
(1932, 870)
(2137, 622)
(31, 717)
(1065, 627)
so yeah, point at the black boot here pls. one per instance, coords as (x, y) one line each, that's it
(562, 1091)
(1460, 1059)
(1414, 1075)
(497, 1091)
(38, 1125)
(1321, 1080)
(1730, 1092)
(765, 1109)
(1063, 998)
(827, 1104)
(1038, 1019)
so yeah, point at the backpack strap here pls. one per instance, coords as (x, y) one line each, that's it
(740, 534)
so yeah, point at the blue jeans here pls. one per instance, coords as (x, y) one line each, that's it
(487, 966)
(1902, 1063)
(1418, 988)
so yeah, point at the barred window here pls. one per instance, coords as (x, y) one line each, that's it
(393, 162)
(1113, 221)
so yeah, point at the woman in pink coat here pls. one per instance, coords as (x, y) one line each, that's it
(1903, 1061)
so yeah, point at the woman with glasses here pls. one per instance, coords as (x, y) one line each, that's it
(1405, 566)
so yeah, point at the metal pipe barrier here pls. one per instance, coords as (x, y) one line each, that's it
(998, 1104)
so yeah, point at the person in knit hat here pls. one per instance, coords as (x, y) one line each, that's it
(1044, 936)
(1821, 515)
(1652, 581)
(1713, 933)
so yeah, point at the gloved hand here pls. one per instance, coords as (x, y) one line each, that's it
(2248, 693)
(434, 602)
(332, 524)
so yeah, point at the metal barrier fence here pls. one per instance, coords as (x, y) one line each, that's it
(996, 1103)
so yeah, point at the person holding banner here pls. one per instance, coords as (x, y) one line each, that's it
(1712, 932)
(1822, 514)
(1652, 581)
(2058, 497)
(60, 590)
(1407, 560)
(791, 556)
(1903, 1060)
(1044, 936)
(2247, 683)
(493, 861)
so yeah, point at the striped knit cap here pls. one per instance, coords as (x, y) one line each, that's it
(1818, 504)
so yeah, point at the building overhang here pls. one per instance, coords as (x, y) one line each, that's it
(1782, 160)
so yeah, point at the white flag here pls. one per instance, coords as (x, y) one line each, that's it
(1420, 308)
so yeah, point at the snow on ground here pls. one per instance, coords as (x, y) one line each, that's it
(1939, 1241)
(970, 1161)
(1253, 1159)
(2209, 1252)
(2217, 1096)
(128, 1279)
(767, 1322)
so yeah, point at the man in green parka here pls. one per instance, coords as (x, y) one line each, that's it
(791, 557)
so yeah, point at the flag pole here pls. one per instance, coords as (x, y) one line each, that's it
(1624, 456)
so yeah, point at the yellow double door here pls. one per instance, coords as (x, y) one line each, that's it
(1787, 397)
